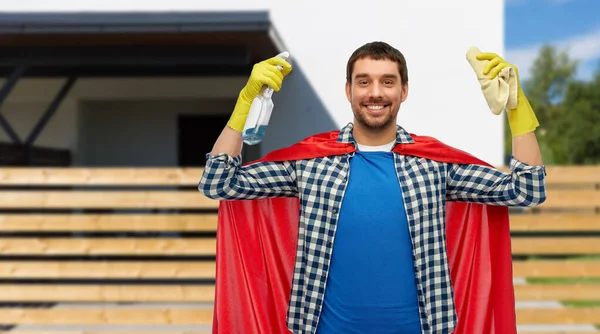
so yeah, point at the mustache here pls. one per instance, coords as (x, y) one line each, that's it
(376, 101)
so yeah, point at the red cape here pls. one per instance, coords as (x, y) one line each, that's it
(256, 249)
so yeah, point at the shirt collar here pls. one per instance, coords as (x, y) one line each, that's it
(346, 136)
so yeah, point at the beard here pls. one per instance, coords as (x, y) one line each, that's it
(372, 122)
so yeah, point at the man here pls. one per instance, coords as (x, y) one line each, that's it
(372, 253)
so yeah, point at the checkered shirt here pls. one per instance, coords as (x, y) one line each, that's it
(320, 184)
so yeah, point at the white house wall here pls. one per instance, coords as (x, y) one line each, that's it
(444, 100)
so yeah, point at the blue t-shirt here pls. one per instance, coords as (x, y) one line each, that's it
(371, 285)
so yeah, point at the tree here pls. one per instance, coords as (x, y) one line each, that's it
(579, 134)
(568, 110)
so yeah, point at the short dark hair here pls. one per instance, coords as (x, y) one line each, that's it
(378, 51)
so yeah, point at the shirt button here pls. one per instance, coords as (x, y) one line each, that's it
(334, 210)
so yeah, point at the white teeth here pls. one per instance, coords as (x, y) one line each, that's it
(375, 107)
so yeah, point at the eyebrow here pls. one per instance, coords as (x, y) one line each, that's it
(385, 76)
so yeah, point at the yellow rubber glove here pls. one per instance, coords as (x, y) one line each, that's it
(264, 73)
(522, 119)
(500, 93)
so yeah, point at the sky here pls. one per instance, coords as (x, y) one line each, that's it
(572, 25)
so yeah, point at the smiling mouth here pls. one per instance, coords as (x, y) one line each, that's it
(376, 108)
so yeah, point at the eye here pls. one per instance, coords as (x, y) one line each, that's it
(388, 82)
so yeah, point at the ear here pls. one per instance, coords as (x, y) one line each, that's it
(348, 92)
(404, 91)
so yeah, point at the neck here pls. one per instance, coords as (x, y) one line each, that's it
(370, 137)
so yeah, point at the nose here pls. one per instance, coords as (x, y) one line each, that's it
(376, 91)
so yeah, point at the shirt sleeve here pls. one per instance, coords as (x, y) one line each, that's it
(523, 186)
(224, 178)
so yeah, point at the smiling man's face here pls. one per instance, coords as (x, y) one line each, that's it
(376, 93)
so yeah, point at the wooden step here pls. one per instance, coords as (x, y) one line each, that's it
(557, 268)
(106, 316)
(108, 246)
(106, 293)
(108, 222)
(105, 199)
(557, 292)
(567, 316)
(107, 269)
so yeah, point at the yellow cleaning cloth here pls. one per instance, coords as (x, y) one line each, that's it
(501, 92)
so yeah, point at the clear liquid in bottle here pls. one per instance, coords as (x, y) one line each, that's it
(260, 113)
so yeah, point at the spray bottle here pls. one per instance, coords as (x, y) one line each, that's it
(260, 112)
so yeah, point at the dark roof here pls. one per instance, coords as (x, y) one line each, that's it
(136, 43)
(105, 22)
